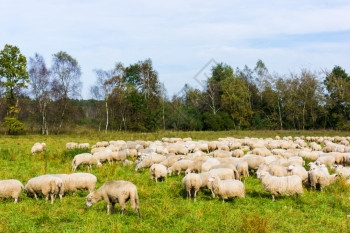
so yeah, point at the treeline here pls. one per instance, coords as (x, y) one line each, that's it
(38, 98)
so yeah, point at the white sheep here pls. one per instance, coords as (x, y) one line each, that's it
(115, 191)
(222, 154)
(192, 182)
(287, 185)
(84, 145)
(299, 171)
(71, 145)
(149, 160)
(238, 153)
(78, 181)
(327, 160)
(38, 147)
(319, 178)
(11, 188)
(158, 171)
(209, 163)
(47, 185)
(342, 171)
(181, 165)
(226, 188)
(84, 159)
(103, 156)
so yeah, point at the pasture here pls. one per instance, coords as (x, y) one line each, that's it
(163, 206)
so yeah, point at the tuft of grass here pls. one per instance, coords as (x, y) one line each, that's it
(254, 224)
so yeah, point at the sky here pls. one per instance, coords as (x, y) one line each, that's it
(184, 38)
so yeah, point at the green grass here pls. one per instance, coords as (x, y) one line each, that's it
(163, 205)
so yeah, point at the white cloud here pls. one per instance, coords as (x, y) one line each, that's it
(180, 36)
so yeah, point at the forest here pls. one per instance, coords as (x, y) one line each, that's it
(47, 100)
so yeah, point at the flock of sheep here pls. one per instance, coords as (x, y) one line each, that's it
(219, 166)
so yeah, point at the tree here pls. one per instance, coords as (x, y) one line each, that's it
(40, 82)
(337, 83)
(235, 100)
(13, 74)
(262, 78)
(104, 86)
(66, 82)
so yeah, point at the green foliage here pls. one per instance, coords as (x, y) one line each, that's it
(13, 72)
(13, 125)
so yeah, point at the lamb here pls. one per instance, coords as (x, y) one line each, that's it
(319, 178)
(47, 185)
(115, 191)
(11, 188)
(158, 171)
(84, 159)
(192, 183)
(195, 166)
(179, 166)
(226, 188)
(287, 185)
(78, 181)
(38, 147)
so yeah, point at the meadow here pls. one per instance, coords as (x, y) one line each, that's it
(163, 206)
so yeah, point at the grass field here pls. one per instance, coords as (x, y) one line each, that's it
(163, 206)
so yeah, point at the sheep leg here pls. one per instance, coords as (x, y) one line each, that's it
(35, 196)
(122, 204)
(108, 208)
(138, 212)
(273, 197)
(195, 195)
(113, 204)
(52, 198)
(16, 199)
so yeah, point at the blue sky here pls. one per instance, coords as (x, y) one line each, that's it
(181, 36)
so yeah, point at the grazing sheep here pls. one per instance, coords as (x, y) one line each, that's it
(84, 159)
(171, 159)
(158, 171)
(327, 160)
(195, 166)
(299, 171)
(262, 151)
(319, 179)
(254, 161)
(103, 156)
(238, 153)
(47, 185)
(209, 163)
(315, 147)
(78, 181)
(242, 168)
(192, 183)
(10, 188)
(127, 162)
(71, 145)
(342, 171)
(118, 155)
(149, 160)
(38, 147)
(226, 188)
(287, 185)
(181, 165)
(115, 191)
(224, 166)
(84, 145)
(273, 169)
(222, 154)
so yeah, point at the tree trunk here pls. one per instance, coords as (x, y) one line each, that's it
(280, 113)
(107, 115)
